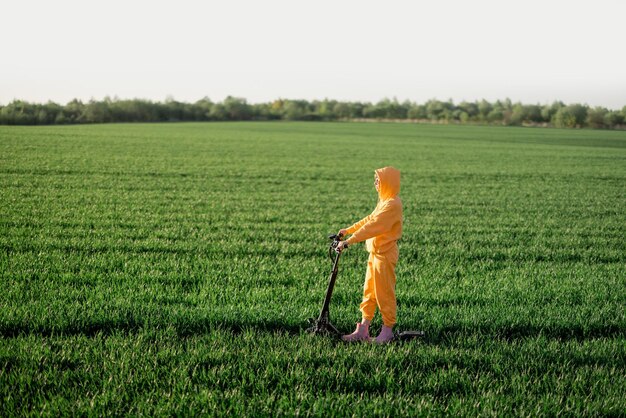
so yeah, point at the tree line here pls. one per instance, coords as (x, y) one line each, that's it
(501, 112)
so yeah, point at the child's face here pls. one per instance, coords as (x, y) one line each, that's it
(376, 183)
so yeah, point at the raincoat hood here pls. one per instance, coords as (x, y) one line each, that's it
(389, 182)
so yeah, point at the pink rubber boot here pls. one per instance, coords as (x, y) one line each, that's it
(361, 333)
(386, 335)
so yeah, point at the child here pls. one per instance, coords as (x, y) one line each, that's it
(381, 229)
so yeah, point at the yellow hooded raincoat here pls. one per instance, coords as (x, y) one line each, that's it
(381, 229)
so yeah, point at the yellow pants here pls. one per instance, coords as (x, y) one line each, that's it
(380, 287)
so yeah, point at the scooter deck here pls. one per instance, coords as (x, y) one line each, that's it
(408, 335)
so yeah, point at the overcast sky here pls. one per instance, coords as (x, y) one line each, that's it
(530, 51)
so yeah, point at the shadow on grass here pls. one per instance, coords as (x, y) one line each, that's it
(183, 330)
(448, 334)
(445, 335)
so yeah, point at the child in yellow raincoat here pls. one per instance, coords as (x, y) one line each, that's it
(381, 230)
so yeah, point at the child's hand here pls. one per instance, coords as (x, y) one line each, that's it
(342, 232)
(340, 246)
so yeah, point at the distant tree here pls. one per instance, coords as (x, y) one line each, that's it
(356, 109)
(533, 113)
(175, 111)
(97, 112)
(42, 117)
(613, 119)
(19, 112)
(595, 117)
(580, 113)
(502, 112)
(372, 111)
(453, 115)
(484, 109)
(521, 113)
(496, 115)
(74, 112)
(293, 110)
(449, 110)
(217, 112)
(201, 109)
(52, 111)
(236, 108)
(325, 109)
(564, 118)
(278, 105)
(263, 111)
(548, 111)
(60, 119)
(518, 114)
(340, 110)
(416, 111)
(437, 110)
(392, 109)
(402, 109)
(6, 115)
(471, 109)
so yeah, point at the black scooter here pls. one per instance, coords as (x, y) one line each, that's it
(322, 325)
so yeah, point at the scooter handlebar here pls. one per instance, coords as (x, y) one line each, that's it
(336, 240)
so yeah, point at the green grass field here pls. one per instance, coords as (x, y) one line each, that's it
(169, 269)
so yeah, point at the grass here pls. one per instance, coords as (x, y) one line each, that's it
(169, 269)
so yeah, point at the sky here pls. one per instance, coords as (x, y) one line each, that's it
(531, 51)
